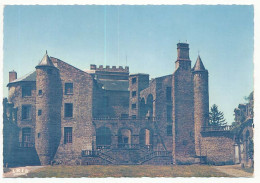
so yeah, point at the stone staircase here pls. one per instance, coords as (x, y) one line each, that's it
(131, 156)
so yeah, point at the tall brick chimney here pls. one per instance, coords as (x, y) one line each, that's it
(183, 59)
(183, 51)
(12, 76)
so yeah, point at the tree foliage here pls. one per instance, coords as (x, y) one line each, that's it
(216, 117)
(249, 97)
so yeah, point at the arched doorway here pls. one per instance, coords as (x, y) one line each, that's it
(124, 138)
(146, 138)
(103, 138)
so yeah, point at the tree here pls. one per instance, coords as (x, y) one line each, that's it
(249, 97)
(216, 117)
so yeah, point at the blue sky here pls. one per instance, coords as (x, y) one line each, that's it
(146, 35)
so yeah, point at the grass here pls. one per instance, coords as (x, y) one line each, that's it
(247, 169)
(127, 171)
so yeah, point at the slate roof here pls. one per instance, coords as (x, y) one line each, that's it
(46, 61)
(199, 65)
(28, 77)
(114, 85)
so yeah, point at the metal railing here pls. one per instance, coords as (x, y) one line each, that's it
(26, 144)
(155, 154)
(126, 119)
(217, 128)
(89, 153)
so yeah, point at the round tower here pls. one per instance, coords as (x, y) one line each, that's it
(48, 120)
(201, 102)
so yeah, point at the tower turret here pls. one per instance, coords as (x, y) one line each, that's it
(183, 107)
(48, 110)
(201, 101)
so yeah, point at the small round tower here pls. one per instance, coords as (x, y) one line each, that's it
(48, 120)
(201, 102)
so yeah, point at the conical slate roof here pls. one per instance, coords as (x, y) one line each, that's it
(199, 65)
(46, 61)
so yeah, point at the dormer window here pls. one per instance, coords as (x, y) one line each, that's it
(68, 88)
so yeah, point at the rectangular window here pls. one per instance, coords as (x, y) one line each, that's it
(26, 91)
(133, 106)
(169, 130)
(26, 112)
(40, 92)
(169, 93)
(39, 112)
(67, 135)
(68, 88)
(169, 113)
(133, 93)
(26, 137)
(133, 80)
(124, 116)
(133, 116)
(68, 110)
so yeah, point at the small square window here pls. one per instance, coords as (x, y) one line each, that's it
(133, 93)
(39, 112)
(133, 106)
(49, 71)
(68, 110)
(39, 92)
(133, 80)
(184, 142)
(68, 88)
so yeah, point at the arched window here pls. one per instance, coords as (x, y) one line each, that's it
(124, 138)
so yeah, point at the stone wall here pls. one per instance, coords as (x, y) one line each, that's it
(141, 82)
(218, 147)
(81, 122)
(183, 112)
(15, 97)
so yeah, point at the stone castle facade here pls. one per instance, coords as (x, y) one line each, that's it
(59, 114)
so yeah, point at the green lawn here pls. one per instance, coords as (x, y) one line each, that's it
(127, 171)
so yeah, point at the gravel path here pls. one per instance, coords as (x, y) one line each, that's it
(19, 171)
(233, 170)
